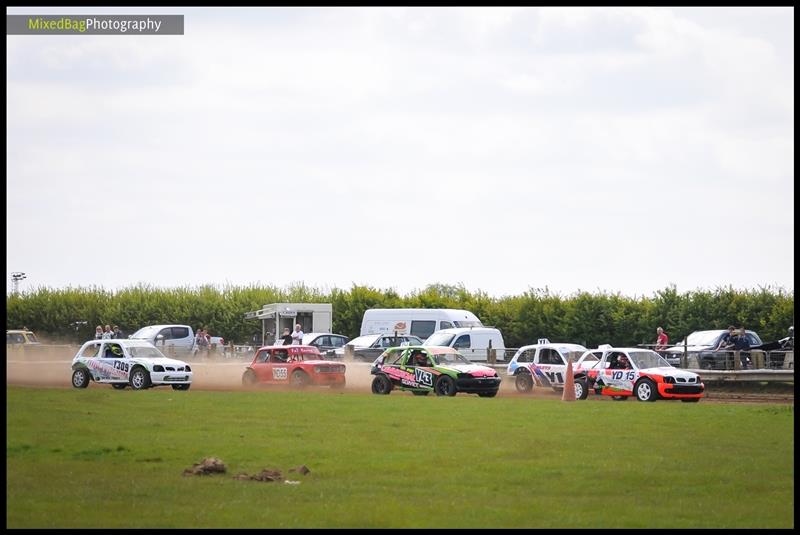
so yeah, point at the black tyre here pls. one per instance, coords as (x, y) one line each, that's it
(487, 394)
(249, 378)
(299, 379)
(140, 378)
(381, 385)
(524, 382)
(420, 392)
(581, 389)
(691, 400)
(646, 390)
(80, 378)
(119, 386)
(182, 387)
(445, 386)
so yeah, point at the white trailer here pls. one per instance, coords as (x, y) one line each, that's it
(312, 317)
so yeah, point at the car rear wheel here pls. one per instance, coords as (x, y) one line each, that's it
(581, 389)
(445, 386)
(140, 379)
(249, 378)
(182, 387)
(646, 390)
(299, 379)
(119, 386)
(524, 382)
(80, 378)
(381, 385)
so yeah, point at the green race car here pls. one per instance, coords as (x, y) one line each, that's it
(422, 370)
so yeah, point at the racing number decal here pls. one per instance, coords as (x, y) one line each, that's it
(555, 377)
(626, 376)
(423, 378)
(122, 366)
(280, 374)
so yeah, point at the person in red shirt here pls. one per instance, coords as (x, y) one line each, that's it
(662, 340)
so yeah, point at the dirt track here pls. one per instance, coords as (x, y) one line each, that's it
(53, 370)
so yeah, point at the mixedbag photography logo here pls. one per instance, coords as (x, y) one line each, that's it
(94, 24)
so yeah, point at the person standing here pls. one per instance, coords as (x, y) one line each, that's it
(286, 339)
(98, 332)
(118, 332)
(662, 340)
(297, 335)
(108, 334)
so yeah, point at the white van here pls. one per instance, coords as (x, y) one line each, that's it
(472, 342)
(420, 322)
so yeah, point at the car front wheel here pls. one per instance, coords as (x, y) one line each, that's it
(524, 382)
(646, 390)
(381, 385)
(80, 378)
(249, 378)
(299, 379)
(445, 386)
(140, 379)
(581, 389)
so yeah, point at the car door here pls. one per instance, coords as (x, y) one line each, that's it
(114, 366)
(278, 365)
(261, 366)
(551, 365)
(615, 381)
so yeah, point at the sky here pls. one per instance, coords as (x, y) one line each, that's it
(619, 150)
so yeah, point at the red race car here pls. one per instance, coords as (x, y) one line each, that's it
(293, 365)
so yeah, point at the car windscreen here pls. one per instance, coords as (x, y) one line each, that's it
(703, 338)
(363, 341)
(572, 355)
(439, 339)
(145, 352)
(468, 323)
(450, 358)
(648, 359)
(146, 332)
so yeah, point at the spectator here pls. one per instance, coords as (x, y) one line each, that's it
(726, 342)
(286, 339)
(201, 343)
(297, 335)
(662, 340)
(118, 332)
(98, 332)
(108, 334)
(741, 343)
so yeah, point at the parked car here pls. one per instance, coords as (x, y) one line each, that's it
(544, 364)
(423, 369)
(368, 347)
(420, 322)
(472, 342)
(122, 362)
(700, 346)
(21, 337)
(175, 337)
(327, 343)
(647, 375)
(297, 365)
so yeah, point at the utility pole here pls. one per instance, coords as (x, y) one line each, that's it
(17, 276)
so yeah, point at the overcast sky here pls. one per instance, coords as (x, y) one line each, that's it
(578, 149)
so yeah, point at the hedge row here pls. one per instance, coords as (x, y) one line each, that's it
(70, 315)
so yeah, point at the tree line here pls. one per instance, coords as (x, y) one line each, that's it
(70, 315)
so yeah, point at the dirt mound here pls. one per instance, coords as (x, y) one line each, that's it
(208, 466)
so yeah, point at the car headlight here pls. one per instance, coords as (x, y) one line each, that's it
(317, 369)
(669, 380)
(158, 368)
(188, 368)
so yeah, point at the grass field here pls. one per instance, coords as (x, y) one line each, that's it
(100, 458)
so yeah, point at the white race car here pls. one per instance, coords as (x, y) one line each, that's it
(545, 364)
(122, 362)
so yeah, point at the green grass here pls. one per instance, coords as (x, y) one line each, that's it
(104, 458)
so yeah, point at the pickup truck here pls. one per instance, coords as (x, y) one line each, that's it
(178, 337)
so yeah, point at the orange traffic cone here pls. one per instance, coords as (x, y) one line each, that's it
(569, 384)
